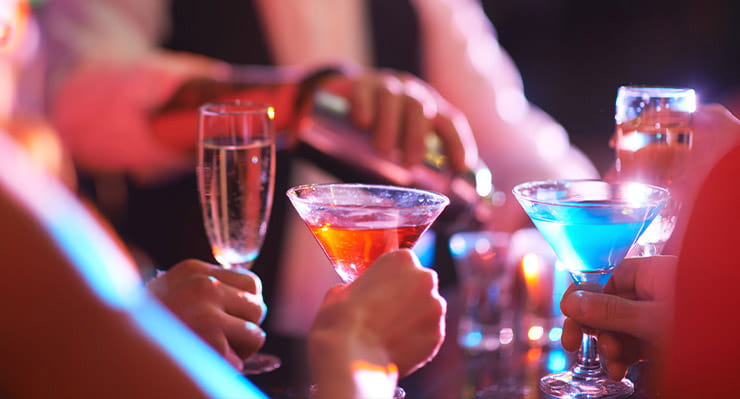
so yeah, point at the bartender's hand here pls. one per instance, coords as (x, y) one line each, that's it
(223, 307)
(631, 317)
(386, 324)
(401, 110)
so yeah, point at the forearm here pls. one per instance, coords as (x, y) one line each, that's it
(346, 367)
(347, 360)
(519, 142)
(149, 125)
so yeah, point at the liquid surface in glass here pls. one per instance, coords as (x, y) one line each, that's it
(353, 250)
(655, 154)
(592, 238)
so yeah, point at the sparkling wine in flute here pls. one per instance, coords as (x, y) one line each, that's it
(236, 175)
(237, 193)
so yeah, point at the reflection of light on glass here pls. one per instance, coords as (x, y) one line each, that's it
(374, 378)
(555, 334)
(633, 142)
(535, 333)
(483, 182)
(561, 281)
(424, 248)
(506, 335)
(636, 193)
(531, 265)
(690, 101)
(511, 104)
(557, 361)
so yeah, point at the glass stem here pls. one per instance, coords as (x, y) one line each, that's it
(240, 267)
(588, 363)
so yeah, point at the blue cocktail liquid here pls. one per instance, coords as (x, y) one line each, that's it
(590, 237)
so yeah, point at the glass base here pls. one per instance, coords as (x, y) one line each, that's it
(572, 386)
(260, 363)
(399, 393)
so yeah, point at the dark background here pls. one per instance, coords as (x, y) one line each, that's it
(574, 54)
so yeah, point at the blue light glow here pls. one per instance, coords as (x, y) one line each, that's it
(109, 272)
(207, 368)
(555, 334)
(472, 339)
(557, 361)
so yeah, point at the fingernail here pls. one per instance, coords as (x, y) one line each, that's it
(254, 327)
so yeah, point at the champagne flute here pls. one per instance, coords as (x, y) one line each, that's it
(590, 225)
(236, 178)
(652, 143)
(356, 223)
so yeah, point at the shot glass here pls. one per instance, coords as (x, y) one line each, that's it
(540, 281)
(485, 281)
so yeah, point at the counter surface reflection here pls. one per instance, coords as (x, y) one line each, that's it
(512, 371)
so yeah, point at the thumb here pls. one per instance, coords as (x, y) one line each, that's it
(613, 313)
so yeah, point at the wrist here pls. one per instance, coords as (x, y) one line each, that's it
(307, 87)
(348, 362)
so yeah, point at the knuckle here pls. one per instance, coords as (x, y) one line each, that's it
(191, 266)
(426, 281)
(205, 322)
(202, 286)
(388, 83)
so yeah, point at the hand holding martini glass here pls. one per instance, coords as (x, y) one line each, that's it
(356, 223)
(591, 225)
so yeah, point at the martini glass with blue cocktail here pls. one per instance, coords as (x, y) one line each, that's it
(591, 225)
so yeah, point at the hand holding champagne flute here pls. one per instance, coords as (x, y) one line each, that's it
(236, 178)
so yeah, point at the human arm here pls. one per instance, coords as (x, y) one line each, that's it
(223, 307)
(632, 316)
(465, 63)
(383, 326)
(85, 327)
(147, 128)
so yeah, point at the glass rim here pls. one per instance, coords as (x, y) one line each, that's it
(441, 199)
(517, 191)
(236, 107)
(655, 90)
